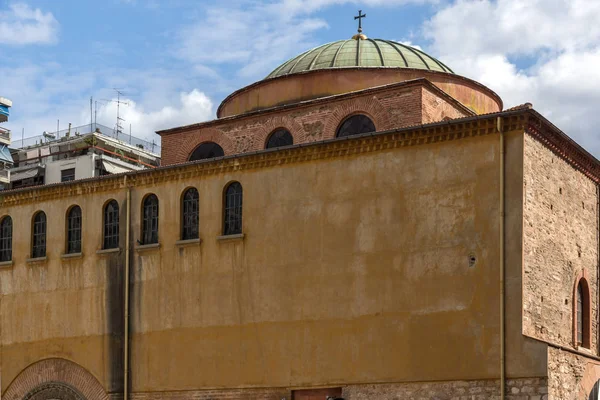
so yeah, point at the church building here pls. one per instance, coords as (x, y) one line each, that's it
(362, 224)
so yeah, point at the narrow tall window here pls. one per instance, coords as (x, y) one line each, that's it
(279, 138)
(150, 223)
(189, 217)
(38, 237)
(580, 305)
(74, 230)
(355, 125)
(581, 314)
(6, 239)
(207, 150)
(111, 225)
(232, 223)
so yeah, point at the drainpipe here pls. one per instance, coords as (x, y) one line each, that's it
(126, 300)
(499, 127)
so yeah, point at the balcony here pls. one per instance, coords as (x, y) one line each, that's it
(4, 136)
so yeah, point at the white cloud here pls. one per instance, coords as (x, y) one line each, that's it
(192, 107)
(22, 25)
(546, 53)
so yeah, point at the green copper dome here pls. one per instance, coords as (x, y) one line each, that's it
(362, 53)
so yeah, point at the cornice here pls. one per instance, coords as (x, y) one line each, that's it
(302, 153)
(563, 146)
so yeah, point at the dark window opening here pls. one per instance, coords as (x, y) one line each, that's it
(580, 305)
(355, 125)
(232, 223)
(150, 223)
(279, 138)
(38, 243)
(6, 239)
(111, 225)
(67, 175)
(74, 230)
(207, 150)
(190, 216)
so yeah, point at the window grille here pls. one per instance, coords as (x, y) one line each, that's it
(67, 175)
(279, 138)
(6, 239)
(150, 223)
(232, 223)
(207, 150)
(111, 225)
(355, 125)
(74, 230)
(38, 245)
(190, 209)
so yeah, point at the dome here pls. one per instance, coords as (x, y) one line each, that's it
(362, 53)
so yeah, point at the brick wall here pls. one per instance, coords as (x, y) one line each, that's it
(571, 376)
(388, 108)
(560, 244)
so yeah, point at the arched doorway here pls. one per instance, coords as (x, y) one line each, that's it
(595, 393)
(54, 391)
(55, 379)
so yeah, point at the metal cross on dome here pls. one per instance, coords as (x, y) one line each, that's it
(359, 18)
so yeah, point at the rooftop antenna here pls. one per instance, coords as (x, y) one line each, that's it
(118, 126)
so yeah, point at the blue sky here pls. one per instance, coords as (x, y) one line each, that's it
(177, 59)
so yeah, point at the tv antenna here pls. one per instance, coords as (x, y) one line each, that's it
(118, 126)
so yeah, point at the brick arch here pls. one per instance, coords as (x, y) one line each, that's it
(195, 139)
(55, 374)
(590, 377)
(370, 107)
(279, 121)
(582, 277)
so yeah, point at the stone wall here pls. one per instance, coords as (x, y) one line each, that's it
(398, 106)
(571, 376)
(560, 243)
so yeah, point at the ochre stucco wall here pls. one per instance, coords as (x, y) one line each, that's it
(353, 269)
(321, 83)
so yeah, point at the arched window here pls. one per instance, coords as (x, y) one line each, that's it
(6, 239)
(74, 230)
(582, 314)
(355, 125)
(279, 138)
(207, 150)
(38, 237)
(111, 225)
(150, 222)
(189, 217)
(232, 217)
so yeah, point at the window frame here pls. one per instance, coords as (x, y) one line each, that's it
(149, 234)
(74, 228)
(209, 142)
(62, 175)
(110, 240)
(274, 132)
(6, 241)
(233, 224)
(354, 115)
(39, 236)
(582, 333)
(190, 214)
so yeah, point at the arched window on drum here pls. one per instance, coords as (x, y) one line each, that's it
(355, 125)
(207, 150)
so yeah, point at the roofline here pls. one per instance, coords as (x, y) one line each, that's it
(323, 70)
(308, 103)
(591, 160)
